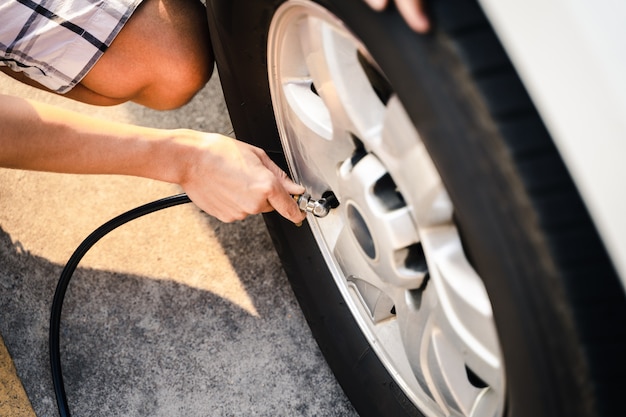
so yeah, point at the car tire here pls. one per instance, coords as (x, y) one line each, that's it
(557, 306)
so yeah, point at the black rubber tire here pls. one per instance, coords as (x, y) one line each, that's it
(559, 307)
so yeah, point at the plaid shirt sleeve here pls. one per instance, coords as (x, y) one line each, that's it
(56, 42)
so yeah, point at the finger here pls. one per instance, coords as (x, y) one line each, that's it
(287, 183)
(377, 4)
(291, 187)
(414, 13)
(286, 206)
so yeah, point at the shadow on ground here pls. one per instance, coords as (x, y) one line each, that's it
(136, 346)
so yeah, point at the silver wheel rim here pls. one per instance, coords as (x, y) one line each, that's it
(392, 245)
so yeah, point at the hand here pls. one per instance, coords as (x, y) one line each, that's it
(413, 12)
(230, 180)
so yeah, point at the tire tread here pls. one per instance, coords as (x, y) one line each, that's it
(594, 291)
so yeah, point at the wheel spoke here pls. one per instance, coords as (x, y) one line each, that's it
(438, 363)
(399, 136)
(331, 56)
(352, 261)
(404, 155)
(464, 312)
(449, 375)
(319, 160)
(325, 114)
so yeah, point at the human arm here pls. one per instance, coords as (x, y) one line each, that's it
(413, 12)
(224, 177)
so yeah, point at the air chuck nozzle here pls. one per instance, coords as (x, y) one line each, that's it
(319, 208)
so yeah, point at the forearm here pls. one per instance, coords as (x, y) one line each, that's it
(224, 177)
(40, 137)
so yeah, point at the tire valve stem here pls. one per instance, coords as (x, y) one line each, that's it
(319, 208)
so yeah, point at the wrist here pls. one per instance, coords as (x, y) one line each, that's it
(178, 154)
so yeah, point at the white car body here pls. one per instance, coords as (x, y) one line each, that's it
(571, 56)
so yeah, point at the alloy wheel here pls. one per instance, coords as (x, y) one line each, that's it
(392, 245)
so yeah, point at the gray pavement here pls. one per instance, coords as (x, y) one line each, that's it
(175, 314)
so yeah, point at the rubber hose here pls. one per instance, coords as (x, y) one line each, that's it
(66, 275)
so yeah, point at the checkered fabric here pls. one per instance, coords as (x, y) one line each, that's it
(57, 42)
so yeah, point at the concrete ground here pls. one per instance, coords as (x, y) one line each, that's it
(175, 314)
